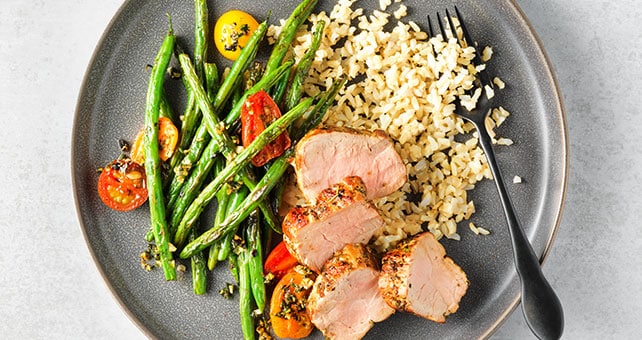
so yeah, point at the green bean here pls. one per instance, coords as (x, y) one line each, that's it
(226, 242)
(199, 270)
(191, 115)
(276, 193)
(191, 156)
(152, 160)
(255, 260)
(188, 156)
(245, 297)
(189, 125)
(166, 109)
(189, 122)
(254, 75)
(316, 116)
(233, 261)
(197, 149)
(268, 214)
(237, 93)
(226, 247)
(212, 256)
(211, 80)
(222, 199)
(234, 166)
(292, 24)
(303, 67)
(190, 188)
(279, 90)
(191, 118)
(200, 36)
(240, 65)
(183, 143)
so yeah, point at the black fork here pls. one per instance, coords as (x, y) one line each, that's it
(542, 309)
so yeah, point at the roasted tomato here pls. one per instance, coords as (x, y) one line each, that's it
(121, 185)
(167, 140)
(288, 314)
(257, 113)
(232, 31)
(280, 261)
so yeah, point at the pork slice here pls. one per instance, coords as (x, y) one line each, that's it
(345, 300)
(341, 215)
(418, 277)
(325, 156)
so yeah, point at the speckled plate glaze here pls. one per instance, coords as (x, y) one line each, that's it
(111, 106)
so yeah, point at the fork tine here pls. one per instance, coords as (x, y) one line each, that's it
(441, 28)
(465, 40)
(430, 31)
(483, 77)
(465, 35)
(453, 30)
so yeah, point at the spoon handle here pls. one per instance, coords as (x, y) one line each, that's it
(542, 309)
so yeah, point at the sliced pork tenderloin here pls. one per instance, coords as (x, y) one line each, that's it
(418, 277)
(345, 300)
(342, 215)
(325, 156)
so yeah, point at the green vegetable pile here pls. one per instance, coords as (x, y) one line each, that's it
(208, 164)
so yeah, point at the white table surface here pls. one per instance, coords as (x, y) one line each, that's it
(50, 288)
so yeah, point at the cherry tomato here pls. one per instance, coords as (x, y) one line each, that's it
(121, 185)
(232, 32)
(167, 140)
(288, 313)
(280, 261)
(257, 113)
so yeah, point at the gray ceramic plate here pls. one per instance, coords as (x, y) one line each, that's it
(111, 106)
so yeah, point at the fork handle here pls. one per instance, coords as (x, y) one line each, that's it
(541, 307)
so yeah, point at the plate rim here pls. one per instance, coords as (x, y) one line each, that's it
(74, 175)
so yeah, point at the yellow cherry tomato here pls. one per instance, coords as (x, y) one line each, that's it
(232, 31)
(167, 141)
(288, 314)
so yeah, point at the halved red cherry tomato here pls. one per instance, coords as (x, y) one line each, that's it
(167, 140)
(121, 185)
(280, 261)
(257, 113)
